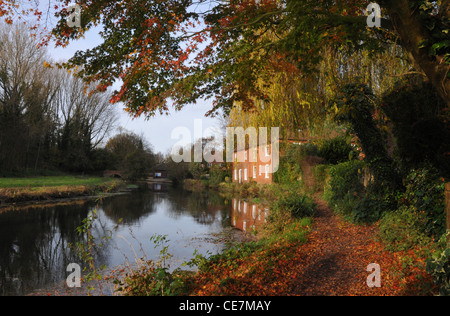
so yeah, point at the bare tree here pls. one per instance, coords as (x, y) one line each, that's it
(76, 101)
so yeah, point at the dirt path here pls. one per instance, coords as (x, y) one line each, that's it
(335, 259)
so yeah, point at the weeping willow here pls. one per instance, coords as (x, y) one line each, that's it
(297, 102)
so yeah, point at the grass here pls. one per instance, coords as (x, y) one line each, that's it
(54, 181)
(53, 187)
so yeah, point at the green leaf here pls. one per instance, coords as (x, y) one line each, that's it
(438, 46)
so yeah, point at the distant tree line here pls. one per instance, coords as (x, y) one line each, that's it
(50, 120)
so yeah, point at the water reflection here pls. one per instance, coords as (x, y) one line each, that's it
(247, 216)
(34, 241)
(34, 245)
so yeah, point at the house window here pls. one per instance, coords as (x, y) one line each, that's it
(260, 170)
(254, 212)
(245, 174)
(254, 171)
(235, 174)
(267, 171)
(255, 154)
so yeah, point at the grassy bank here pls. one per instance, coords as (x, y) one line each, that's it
(56, 187)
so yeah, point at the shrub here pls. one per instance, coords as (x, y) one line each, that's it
(376, 200)
(421, 216)
(218, 175)
(287, 173)
(347, 195)
(426, 193)
(336, 150)
(297, 205)
(401, 229)
(345, 187)
(439, 268)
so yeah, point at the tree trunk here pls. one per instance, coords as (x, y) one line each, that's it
(408, 25)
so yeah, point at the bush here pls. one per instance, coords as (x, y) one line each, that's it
(336, 150)
(376, 200)
(439, 268)
(297, 205)
(347, 195)
(426, 193)
(345, 187)
(287, 173)
(421, 217)
(218, 175)
(401, 229)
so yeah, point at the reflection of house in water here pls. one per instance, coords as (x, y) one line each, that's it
(246, 216)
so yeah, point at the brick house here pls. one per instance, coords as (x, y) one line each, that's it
(249, 166)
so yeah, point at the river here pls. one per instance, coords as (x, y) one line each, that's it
(36, 241)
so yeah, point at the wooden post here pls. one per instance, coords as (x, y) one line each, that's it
(447, 201)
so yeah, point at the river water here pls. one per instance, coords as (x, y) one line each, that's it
(36, 241)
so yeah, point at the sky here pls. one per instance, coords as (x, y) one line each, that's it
(157, 130)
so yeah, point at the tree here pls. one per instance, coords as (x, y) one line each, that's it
(131, 155)
(48, 118)
(26, 94)
(86, 118)
(186, 50)
(168, 47)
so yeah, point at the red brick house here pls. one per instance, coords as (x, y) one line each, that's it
(249, 166)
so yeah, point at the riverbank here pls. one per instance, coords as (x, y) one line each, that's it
(298, 254)
(18, 190)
